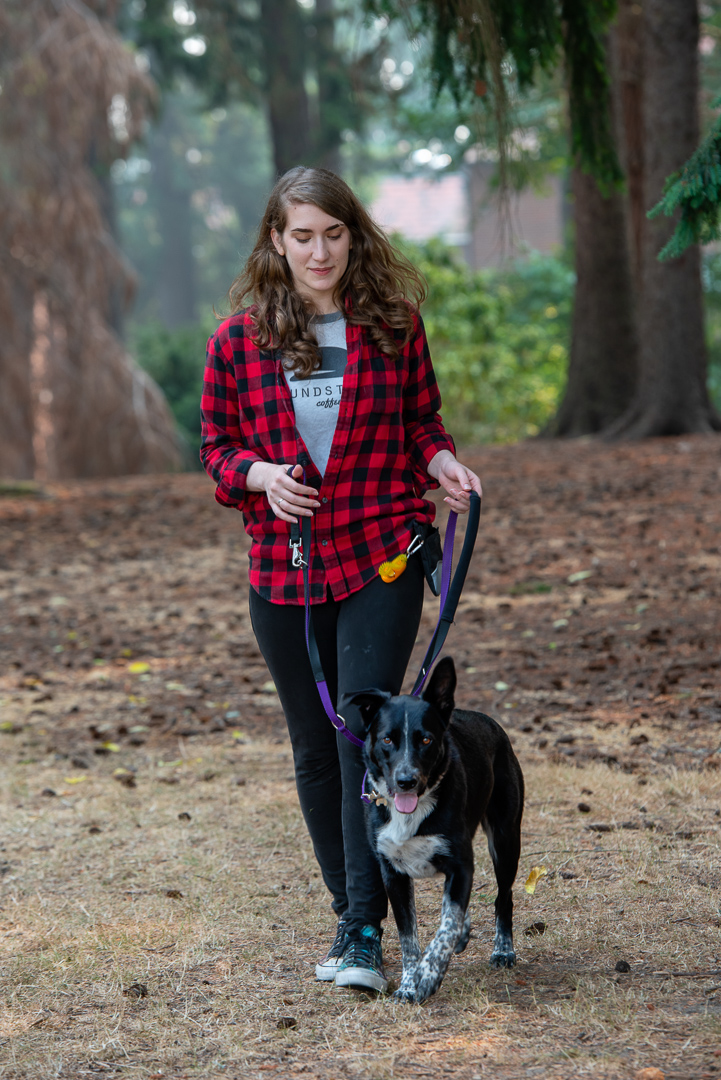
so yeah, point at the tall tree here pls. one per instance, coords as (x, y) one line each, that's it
(64, 73)
(671, 396)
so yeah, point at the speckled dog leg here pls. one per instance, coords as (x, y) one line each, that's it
(436, 958)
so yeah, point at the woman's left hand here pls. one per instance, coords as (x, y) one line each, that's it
(457, 480)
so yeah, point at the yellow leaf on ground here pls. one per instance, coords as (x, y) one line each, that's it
(533, 878)
(74, 779)
(138, 667)
(112, 746)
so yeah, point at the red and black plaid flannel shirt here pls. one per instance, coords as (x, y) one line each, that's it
(388, 431)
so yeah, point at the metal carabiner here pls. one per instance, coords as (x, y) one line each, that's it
(415, 544)
(297, 558)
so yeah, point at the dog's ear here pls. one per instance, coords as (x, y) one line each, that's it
(369, 702)
(440, 690)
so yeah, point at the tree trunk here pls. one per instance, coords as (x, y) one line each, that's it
(108, 417)
(627, 54)
(603, 364)
(672, 397)
(284, 46)
(603, 361)
(176, 286)
(17, 458)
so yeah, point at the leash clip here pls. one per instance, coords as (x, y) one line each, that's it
(297, 557)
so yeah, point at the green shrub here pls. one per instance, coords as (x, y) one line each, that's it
(499, 341)
(175, 359)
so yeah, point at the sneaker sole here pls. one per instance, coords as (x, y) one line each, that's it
(327, 971)
(361, 979)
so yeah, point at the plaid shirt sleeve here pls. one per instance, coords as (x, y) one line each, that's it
(223, 450)
(424, 431)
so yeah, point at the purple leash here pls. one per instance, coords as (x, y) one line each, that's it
(449, 597)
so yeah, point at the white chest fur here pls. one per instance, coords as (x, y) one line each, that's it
(407, 853)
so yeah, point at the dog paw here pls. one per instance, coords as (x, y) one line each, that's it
(426, 988)
(502, 959)
(408, 997)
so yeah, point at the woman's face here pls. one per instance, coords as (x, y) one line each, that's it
(316, 248)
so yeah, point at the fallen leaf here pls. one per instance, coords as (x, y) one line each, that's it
(136, 990)
(138, 667)
(174, 894)
(500, 686)
(535, 928)
(74, 779)
(111, 746)
(533, 878)
(649, 1074)
(580, 575)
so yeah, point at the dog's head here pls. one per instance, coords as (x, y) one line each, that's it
(406, 744)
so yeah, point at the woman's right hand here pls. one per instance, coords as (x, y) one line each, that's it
(285, 494)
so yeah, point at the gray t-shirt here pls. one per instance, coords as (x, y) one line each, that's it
(317, 398)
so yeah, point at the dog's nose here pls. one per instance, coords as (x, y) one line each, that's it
(406, 781)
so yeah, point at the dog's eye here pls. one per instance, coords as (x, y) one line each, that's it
(388, 740)
(426, 740)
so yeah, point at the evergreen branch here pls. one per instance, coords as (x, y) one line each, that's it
(696, 190)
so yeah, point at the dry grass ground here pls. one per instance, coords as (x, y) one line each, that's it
(161, 912)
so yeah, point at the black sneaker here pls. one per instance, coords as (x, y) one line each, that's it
(362, 964)
(326, 969)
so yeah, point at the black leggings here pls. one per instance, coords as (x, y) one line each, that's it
(364, 641)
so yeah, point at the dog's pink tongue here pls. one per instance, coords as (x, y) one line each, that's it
(405, 804)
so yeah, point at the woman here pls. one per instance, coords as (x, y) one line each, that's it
(320, 401)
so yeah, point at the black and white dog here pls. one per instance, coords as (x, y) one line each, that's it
(437, 774)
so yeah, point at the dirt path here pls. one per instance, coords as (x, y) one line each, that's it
(131, 687)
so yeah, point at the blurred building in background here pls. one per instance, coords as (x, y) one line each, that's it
(461, 210)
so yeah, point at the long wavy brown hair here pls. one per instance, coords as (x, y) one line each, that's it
(382, 287)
